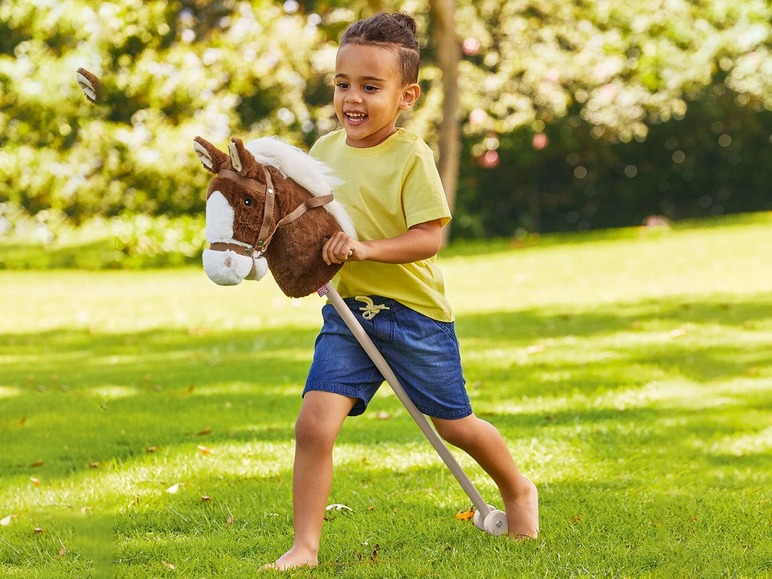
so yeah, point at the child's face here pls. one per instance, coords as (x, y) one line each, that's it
(369, 95)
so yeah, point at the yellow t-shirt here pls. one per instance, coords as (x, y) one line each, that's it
(386, 190)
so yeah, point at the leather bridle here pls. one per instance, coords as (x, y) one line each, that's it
(266, 232)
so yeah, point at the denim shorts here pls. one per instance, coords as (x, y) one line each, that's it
(422, 352)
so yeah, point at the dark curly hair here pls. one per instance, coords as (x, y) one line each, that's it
(396, 31)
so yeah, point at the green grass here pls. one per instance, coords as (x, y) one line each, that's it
(631, 374)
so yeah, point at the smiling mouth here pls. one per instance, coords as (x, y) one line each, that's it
(356, 118)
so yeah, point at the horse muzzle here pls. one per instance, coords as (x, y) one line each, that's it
(228, 267)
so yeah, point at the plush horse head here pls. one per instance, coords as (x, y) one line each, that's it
(269, 206)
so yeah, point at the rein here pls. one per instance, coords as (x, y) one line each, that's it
(266, 233)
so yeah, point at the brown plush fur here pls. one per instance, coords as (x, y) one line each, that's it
(294, 255)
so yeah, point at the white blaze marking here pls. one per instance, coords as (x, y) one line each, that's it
(219, 218)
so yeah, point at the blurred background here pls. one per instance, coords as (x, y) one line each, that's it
(546, 116)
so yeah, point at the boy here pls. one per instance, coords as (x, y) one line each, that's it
(394, 195)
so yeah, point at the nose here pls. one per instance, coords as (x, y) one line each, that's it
(353, 96)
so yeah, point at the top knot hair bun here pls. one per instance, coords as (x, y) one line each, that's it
(406, 20)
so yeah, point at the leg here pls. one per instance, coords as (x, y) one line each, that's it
(316, 429)
(485, 445)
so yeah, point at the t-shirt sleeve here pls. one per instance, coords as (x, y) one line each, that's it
(423, 197)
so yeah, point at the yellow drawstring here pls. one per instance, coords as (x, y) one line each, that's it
(370, 310)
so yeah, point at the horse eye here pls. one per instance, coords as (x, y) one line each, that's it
(248, 201)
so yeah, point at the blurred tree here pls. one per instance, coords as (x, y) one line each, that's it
(443, 14)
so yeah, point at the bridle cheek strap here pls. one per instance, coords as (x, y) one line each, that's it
(256, 187)
(266, 233)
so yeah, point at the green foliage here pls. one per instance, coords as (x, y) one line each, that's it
(541, 84)
(587, 115)
(148, 422)
(624, 63)
(50, 241)
(714, 161)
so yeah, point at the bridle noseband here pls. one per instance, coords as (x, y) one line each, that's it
(265, 233)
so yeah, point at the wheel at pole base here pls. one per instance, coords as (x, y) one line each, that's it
(494, 523)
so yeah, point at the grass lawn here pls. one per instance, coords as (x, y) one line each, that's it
(146, 418)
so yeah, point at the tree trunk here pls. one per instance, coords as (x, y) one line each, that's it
(443, 14)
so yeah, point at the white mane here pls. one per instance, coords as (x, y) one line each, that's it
(309, 173)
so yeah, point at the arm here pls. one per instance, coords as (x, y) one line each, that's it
(419, 242)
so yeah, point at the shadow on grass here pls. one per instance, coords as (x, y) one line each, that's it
(609, 319)
(73, 399)
(559, 352)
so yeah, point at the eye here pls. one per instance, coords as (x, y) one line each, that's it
(248, 201)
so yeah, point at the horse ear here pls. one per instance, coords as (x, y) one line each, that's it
(212, 158)
(242, 160)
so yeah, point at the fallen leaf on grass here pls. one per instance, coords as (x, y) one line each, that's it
(206, 498)
(338, 507)
(38, 530)
(230, 521)
(465, 515)
(205, 431)
(172, 490)
(5, 521)
(62, 553)
(151, 449)
(37, 463)
(168, 565)
(35, 482)
(204, 450)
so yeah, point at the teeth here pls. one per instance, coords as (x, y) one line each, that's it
(355, 116)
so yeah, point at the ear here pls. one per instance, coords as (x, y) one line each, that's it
(242, 160)
(410, 96)
(212, 158)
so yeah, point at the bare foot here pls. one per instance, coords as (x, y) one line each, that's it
(294, 558)
(523, 513)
